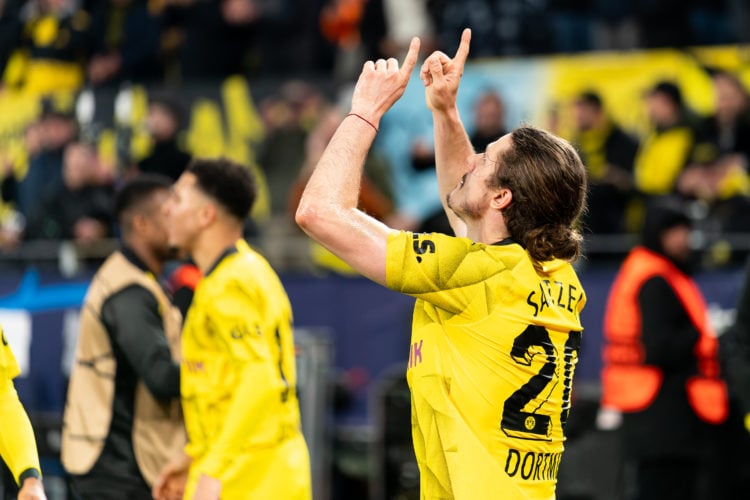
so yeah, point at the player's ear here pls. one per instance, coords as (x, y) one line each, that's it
(138, 222)
(207, 214)
(501, 198)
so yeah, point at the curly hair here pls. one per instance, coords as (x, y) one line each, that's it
(232, 185)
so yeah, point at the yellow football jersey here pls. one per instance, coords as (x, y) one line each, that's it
(493, 350)
(9, 368)
(17, 448)
(239, 383)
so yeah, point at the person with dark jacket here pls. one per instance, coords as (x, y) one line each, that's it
(80, 208)
(164, 122)
(122, 419)
(661, 366)
(609, 154)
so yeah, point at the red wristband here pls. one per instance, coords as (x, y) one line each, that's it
(364, 120)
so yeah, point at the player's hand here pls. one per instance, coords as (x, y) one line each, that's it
(208, 488)
(31, 490)
(170, 485)
(441, 75)
(381, 84)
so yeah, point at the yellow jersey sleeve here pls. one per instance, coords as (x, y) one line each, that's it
(8, 364)
(17, 442)
(425, 266)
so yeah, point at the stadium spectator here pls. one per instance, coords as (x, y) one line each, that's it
(164, 122)
(664, 152)
(80, 209)
(122, 420)
(212, 39)
(45, 141)
(238, 371)
(126, 43)
(53, 49)
(608, 153)
(18, 446)
(717, 171)
(727, 129)
(488, 120)
(289, 116)
(660, 361)
(513, 209)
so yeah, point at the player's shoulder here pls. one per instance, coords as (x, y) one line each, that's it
(244, 268)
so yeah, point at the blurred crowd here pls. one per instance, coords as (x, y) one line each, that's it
(61, 187)
(110, 41)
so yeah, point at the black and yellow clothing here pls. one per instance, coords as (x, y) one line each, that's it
(122, 419)
(54, 48)
(602, 149)
(239, 383)
(661, 157)
(493, 351)
(17, 444)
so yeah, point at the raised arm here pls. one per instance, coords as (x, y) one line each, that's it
(441, 76)
(328, 209)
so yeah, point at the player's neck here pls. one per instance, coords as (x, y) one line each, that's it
(146, 255)
(487, 231)
(212, 243)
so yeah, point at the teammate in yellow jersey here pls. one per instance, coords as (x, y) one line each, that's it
(496, 326)
(17, 444)
(238, 375)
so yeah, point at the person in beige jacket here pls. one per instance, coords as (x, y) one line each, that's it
(122, 419)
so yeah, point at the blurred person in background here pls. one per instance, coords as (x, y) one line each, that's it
(211, 40)
(490, 369)
(489, 120)
(238, 373)
(164, 122)
(716, 175)
(727, 129)
(289, 115)
(79, 209)
(53, 48)
(126, 43)
(18, 445)
(46, 139)
(666, 148)
(661, 369)
(608, 153)
(122, 420)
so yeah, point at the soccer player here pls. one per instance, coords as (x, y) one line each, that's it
(238, 369)
(496, 325)
(122, 420)
(17, 444)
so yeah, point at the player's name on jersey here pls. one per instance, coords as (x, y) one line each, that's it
(533, 466)
(554, 293)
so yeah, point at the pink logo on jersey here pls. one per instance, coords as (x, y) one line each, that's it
(415, 354)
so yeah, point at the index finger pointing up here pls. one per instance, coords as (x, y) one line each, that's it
(463, 48)
(411, 57)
